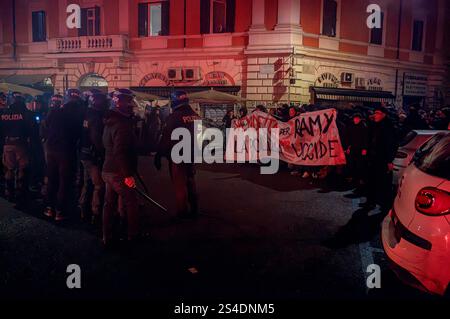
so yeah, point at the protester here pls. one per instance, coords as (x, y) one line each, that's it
(381, 153)
(441, 119)
(182, 174)
(243, 112)
(414, 121)
(357, 144)
(228, 119)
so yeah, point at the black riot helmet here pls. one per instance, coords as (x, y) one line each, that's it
(56, 101)
(72, 95)
(98, 102)
(3, 100)
(122, 102)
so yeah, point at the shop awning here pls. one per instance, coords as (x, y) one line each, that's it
(164, 91)
(334, 94)
(214, 97)
(8, 87)
(22, 79)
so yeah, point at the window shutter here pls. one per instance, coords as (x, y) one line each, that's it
(231, 14)
(43, 25)
(35, 26)
(97, 20)
(143, 19)
(205, 16)
(83, 30)
(417, 35)
(376, 36)
(38, 26)
(165, 18)
(329, 18)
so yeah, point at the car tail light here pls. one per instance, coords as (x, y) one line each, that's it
(433, 202)
(401, 155)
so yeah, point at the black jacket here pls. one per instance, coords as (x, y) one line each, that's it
(182, 117)
(63, 128)
(383, 143)
(16, 124)
(119, 141)
(357, 137)
(91, 146)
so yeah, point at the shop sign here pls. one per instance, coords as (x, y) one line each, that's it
(218, 78)
(327, 80)
(374, 84)
(415, 84)
(154, 76)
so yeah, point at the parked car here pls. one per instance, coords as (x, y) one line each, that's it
(416, 233)
(412, 141)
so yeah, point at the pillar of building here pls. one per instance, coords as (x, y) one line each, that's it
(258, 16)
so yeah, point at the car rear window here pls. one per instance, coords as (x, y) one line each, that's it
(433, 157)
(408, 138)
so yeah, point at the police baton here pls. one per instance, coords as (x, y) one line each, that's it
(149, 199)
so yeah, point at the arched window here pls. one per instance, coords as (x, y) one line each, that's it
(93, 80)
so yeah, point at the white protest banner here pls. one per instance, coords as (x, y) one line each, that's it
(310, 139)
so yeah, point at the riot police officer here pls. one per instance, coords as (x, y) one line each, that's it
(56, 102)
(37, 156)
(182, 174)
(92, 156)
(120, 165)
(3, 106)
(16, 124)
(64, 128)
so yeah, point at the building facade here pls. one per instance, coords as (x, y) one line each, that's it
(267, 51)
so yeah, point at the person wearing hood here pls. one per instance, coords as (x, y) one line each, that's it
(63, 132)
(357, 138)
(120, 166)
(183, 173)
(16, 124)
(382, 148)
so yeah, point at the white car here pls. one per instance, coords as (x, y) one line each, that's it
(416, 233)
(408, 146)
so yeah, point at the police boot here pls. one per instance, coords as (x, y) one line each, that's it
(49, 212)
(59, 217)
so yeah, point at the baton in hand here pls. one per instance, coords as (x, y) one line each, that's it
(148, 198)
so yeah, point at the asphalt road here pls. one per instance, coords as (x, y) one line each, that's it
(258, 237)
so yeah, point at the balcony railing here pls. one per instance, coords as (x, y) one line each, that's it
(88, 44)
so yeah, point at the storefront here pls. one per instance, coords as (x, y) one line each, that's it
(343, 97)
(341, 90)
(163, 83)
(415, 88)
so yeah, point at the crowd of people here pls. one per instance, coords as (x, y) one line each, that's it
(81, 155)
(370, 135)
(80, 152)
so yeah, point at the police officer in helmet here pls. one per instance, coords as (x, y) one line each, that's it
(55, 103)
(120, 165)
(64, 127)
(3, 106)
(182, 174)
(16, 124)
(92, 157)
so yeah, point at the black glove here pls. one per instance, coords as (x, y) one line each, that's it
(157, 162)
